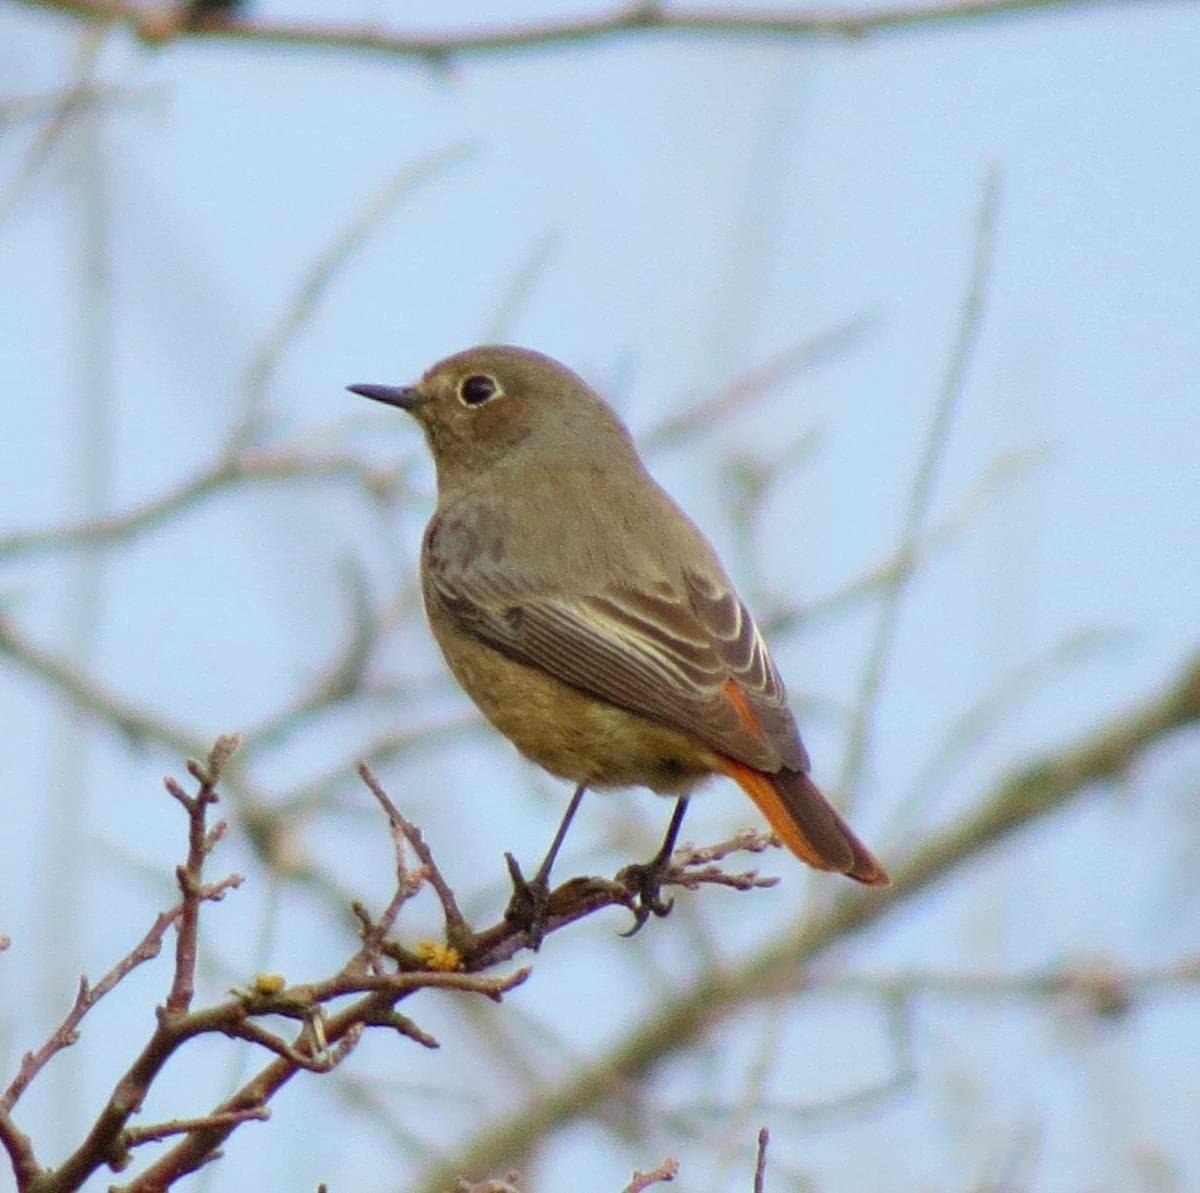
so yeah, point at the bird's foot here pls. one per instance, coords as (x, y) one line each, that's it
(643, 881)
(529, 906)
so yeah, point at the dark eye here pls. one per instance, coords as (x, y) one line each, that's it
(477, 389)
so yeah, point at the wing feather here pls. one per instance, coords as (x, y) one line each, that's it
(663, 650)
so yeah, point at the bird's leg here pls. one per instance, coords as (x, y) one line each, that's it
(531, 897)
(646, 878)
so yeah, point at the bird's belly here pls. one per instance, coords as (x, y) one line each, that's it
(571, 734)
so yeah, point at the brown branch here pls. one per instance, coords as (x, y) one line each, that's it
(637, 19)
(585, 895)
(320, 274)
(668, 1170)
(321, 1044)
(751, 386)
(316, 1049)
(457, 928)
(924, 479)
(251, 468)
(157, 1132)
(1003, 472)
(1029, 795)
(760, 1161)
(1096, 984)
(201, 842)
(20, 1151)
(340, 681)
(135, 723)
(67, 1032)
(338, 1034)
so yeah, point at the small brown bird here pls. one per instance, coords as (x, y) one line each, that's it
(588, 617)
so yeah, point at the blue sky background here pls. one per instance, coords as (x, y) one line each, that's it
(684, 209)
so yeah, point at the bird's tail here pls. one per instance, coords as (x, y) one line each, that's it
(807, 823)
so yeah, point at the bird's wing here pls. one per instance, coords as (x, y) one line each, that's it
(689, 657)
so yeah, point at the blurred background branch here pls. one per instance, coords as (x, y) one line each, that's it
(156, 24)
(1036, 790)
(751, 230)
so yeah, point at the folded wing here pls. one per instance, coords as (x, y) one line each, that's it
(665, 650)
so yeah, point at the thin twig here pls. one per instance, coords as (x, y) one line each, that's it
(1029, 794)
(201, 842)
(760, 1162)
(667, 1171)
(971, 728)
(78, 98)
(457, 927)
(931, 461)
(1000, 475)
(321, 274)
(157, 1132)
(629, 20)
(249, 469)
(88, 995)
(744, 391)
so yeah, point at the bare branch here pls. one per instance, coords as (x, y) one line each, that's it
(760, 1162)
(341, 680)
(457, 928)
(667, 1171)
(745, 390)
(249, 468)
(19, 1147)
(1030, 794)
(633, 19)
(157, 1132)
(201, 842)
(932, 458)
(88, 995)
(137, 724)
(1097, 984)
(902, 563)
(319, 276)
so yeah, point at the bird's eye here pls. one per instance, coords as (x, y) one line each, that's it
(477, 389)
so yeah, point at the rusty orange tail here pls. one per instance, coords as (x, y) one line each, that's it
(807, 823)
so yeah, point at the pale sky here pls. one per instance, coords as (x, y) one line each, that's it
(684, 209)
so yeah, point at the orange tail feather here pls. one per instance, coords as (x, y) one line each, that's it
(807, 823)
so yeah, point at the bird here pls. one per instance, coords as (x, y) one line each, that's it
(591, 621)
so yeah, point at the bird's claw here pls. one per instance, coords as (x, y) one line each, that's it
(643, 881)
(529, 906)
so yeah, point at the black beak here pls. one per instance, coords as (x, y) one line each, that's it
(407, 397)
